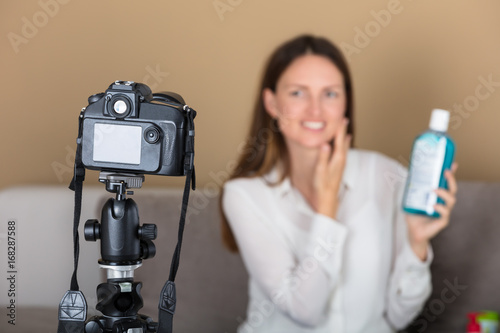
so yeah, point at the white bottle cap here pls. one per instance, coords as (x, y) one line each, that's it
(439, 120)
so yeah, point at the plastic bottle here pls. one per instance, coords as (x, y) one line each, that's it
(473, 326)
(432, 154)
(488, 320)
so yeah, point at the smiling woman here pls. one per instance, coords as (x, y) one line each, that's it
(322, 234)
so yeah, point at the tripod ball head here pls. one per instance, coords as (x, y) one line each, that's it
(123, 240)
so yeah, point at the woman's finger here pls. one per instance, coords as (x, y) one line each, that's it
(450, 178)
(324, 156)
(340, 135)
(347, 143)
(448, 197)
(444, 211)
(342, 142)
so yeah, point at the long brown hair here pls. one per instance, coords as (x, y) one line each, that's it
(265, 147)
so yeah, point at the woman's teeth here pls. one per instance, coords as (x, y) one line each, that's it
(315, 125)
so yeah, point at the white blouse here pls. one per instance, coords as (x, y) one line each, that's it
(311, 273)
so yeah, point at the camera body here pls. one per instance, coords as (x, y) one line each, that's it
(129, 129)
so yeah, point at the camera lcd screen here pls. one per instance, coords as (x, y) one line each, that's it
(117, 143)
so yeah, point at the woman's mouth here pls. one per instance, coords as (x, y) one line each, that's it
(314, 125)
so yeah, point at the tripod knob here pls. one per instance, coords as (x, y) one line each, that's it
(92, 230)
(93, 326)
(148, 249)
(148, 232)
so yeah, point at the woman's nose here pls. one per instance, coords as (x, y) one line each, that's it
(314, 106)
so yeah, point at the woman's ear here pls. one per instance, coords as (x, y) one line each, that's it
(269, 99)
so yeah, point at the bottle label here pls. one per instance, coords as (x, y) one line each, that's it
(425, 171)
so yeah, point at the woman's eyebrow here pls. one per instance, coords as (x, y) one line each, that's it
(299, 85)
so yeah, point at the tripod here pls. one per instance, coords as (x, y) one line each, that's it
(124, 243)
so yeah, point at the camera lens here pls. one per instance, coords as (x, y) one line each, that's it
(152, 135)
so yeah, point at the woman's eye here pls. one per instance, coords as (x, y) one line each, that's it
(297, 93)
(332, 94)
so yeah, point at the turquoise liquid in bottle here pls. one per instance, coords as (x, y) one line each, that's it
(433, 152)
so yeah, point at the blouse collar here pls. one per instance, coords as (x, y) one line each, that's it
(349, 178)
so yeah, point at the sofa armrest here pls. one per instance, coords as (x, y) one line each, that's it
(43, 218)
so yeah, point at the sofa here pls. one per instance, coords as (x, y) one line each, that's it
(211, 282)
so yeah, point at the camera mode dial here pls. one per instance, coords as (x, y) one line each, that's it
(95, 98)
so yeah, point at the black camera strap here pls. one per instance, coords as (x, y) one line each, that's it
(168, 296)
(73, 306)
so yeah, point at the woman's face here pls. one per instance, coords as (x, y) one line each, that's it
(309, 102)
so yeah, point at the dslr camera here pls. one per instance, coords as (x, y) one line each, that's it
(129, 129)
(126, 132)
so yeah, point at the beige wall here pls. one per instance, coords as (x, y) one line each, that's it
(424, 54)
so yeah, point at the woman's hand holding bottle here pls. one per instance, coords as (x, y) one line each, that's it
(422, 228)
